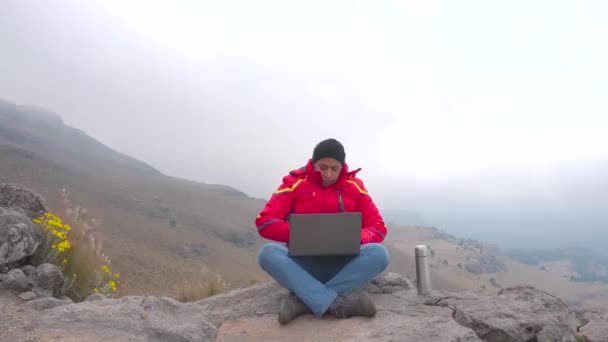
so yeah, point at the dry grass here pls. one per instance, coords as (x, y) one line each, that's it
(191, 291)
(84, 271)
(68, 247)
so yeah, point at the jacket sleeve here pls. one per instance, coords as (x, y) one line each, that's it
(271, 222)
(374, 229)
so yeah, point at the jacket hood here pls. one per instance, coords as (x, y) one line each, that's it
(309, 172)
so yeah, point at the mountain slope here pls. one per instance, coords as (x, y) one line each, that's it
(156, 229)
(462, 264)
(44, 133)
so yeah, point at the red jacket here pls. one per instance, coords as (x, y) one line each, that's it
(302, 192)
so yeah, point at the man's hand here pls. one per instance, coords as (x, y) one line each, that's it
(366, 236)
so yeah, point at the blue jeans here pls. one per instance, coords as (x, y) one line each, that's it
(317, 281)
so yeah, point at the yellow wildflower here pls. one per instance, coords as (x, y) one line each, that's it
(96, 290)
(112, 285)
(38, 220)
(65, 261)
(105, 268)
(63, 245)
(55, 224)
(54, 246)
(51, 216)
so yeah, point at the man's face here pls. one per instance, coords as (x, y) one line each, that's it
(330, 170)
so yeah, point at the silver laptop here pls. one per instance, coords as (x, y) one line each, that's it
(325, 234)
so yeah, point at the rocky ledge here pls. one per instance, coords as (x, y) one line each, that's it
(250, 314)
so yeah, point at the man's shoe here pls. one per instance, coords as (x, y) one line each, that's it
(352, 304)
(291, 307)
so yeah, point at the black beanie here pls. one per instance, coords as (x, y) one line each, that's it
(329, 148)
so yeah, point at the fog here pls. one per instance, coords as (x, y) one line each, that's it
(484, 119)
(528, 208)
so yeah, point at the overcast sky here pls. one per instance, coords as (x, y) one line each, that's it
(239, 92)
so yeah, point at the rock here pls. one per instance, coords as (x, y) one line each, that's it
(250, 314)
(15, 280)
(418, 324)
(390, 282)
(48, 281)
(29, 270)
(17, 196)
(48, 303)
(485, 263)
(242, 316)
(19, 236)
(192, 251)
(595, 324)
(27, 296)
(125, 319)
(517, 314)
(95, 296)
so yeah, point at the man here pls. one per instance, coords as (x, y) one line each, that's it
(322, 284)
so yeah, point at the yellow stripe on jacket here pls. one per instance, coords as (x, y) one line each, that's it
(293, 187)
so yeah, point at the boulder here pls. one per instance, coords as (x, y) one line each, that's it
(48, 281)
(521, 313)
(28, 270)
(17, 196)
(19, 236)
(594, 324)
(41, 304)
(389, 283)
(27, 296)
(95, 296)
(15, 280)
